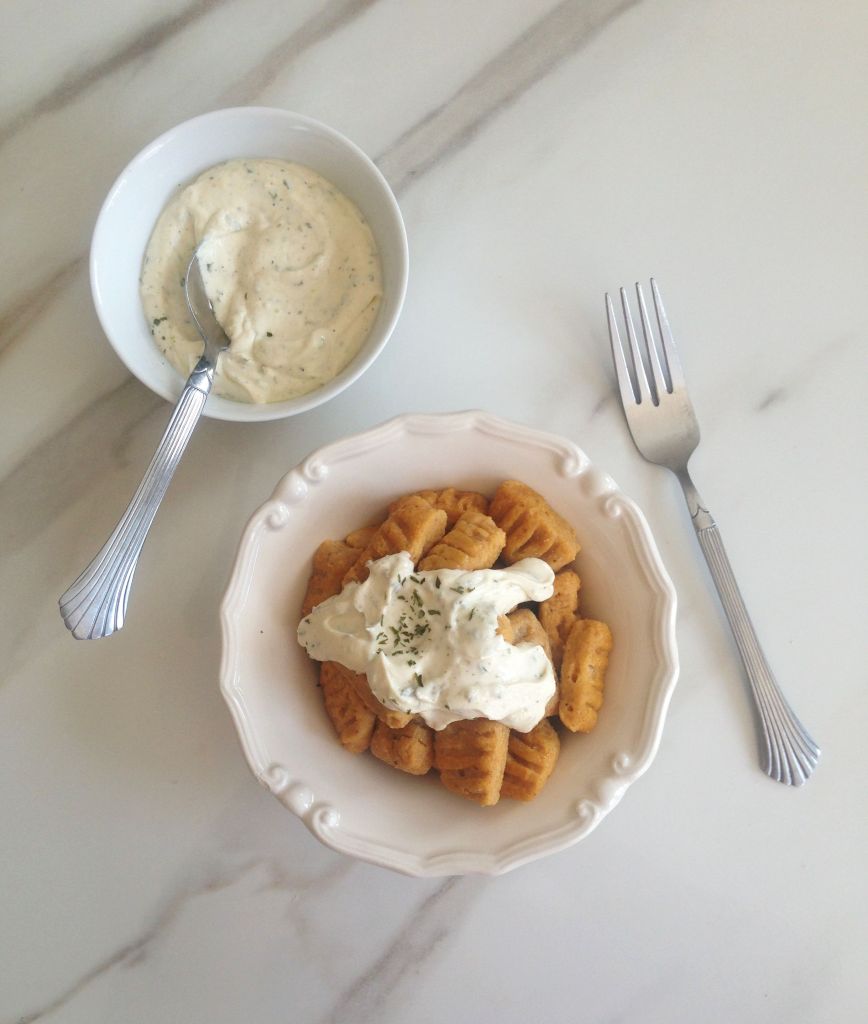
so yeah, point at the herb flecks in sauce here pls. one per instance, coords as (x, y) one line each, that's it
(288, 262)
(428, 641)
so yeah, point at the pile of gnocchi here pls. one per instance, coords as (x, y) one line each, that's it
(478, 759)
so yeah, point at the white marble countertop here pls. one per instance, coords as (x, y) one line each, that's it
(542, 153)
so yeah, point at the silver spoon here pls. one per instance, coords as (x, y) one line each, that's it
(96, 604)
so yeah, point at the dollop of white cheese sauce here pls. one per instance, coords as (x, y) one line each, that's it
(289, 264)
(428, 641)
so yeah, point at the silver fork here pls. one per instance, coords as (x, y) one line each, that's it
(666, 432)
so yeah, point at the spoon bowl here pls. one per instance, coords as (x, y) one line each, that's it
(202, 311)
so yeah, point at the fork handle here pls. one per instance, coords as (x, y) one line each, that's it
(95, 605)
(788, 753)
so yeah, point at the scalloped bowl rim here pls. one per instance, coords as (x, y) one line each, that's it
(297, 794)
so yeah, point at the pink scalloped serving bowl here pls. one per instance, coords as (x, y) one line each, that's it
(361, 807)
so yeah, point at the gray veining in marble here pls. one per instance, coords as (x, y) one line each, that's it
(329, 19)
(21, 313)
(444, 132)
(718, 145)
(83, 79)
(135, 952)
(556, 36)
(427, 926)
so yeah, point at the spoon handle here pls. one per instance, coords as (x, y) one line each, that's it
(96, 603)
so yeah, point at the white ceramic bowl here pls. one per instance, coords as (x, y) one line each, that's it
(362, 807)
(139, 195)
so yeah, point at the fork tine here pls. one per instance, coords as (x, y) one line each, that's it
(673, 363)
(625, 384)
(644, 392)
(661, 384)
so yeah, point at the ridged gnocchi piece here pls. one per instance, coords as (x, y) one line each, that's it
(583, 672)
(454, 503)
(474, 542)
(471, 758)
(533, 528)
(558, 613)
(359, 682)
(353, 722)
(361, 538)
(530, 760)
(331, 560)
(409, 749)
(527, 629)
(414, 526)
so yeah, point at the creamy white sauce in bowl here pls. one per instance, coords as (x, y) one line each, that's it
(154, 177)
(289, 264)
